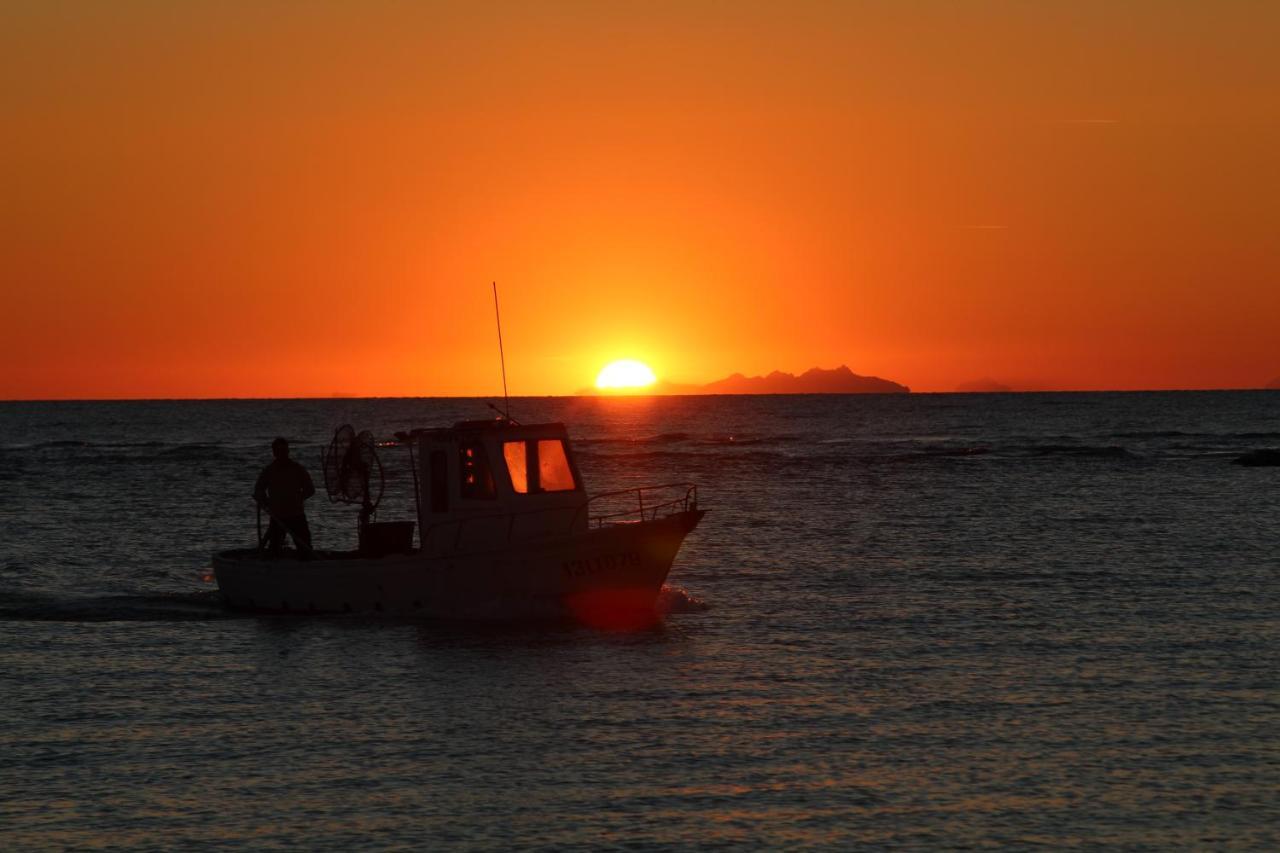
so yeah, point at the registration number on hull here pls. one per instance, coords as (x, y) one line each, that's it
(605, 563)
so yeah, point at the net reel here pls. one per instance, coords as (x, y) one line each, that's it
(352, 471)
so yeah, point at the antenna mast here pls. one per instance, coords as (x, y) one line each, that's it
(506, 401)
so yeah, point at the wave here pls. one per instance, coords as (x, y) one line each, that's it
(674, 599)
(1174, 433)
(711, 439)
(176, 607)
(1108, 451)
(889, 456)
(196, 452)
(203, 605)
(661, 438)
(107, 448)
(940, 453)
(862, 455)
(744, 441)
(61, 443)
(1259, 458)
(690, 457)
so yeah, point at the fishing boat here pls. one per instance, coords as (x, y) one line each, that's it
(506, 530)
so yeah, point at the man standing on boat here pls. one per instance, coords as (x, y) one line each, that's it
(281, 489)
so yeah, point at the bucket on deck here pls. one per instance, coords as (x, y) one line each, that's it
(380, 538)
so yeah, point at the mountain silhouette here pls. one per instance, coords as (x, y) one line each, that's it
(839, 380)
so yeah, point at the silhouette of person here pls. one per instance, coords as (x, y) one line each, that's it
(281, 489)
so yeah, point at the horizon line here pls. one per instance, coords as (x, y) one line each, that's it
(627, 395)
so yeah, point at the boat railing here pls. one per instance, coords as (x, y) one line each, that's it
(650, 504)
(666, 499)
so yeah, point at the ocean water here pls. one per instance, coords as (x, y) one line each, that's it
(926, 620)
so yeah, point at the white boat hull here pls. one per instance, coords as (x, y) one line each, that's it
(605, 575)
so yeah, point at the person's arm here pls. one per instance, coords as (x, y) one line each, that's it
(308, 488)
(260, 488)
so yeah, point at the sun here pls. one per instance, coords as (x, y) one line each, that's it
(626, 374)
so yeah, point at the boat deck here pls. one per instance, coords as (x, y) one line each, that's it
(317, 556)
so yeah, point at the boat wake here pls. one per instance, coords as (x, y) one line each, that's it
(674, 599)
(204, 605)
(176, 607)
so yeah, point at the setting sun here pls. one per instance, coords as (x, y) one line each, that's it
(625, 374)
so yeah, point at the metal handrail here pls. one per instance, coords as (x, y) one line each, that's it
(687, 501)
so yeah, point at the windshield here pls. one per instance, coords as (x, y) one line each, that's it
(514, 453)
(548, 472)
(554, 474)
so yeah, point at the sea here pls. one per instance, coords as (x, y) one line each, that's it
(906, 621)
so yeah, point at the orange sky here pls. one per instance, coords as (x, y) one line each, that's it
(291, 199)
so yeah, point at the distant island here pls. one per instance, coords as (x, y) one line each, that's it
(838, 380)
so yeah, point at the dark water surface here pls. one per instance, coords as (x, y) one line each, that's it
(944, 620)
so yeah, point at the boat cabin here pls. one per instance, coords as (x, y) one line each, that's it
(486, 484)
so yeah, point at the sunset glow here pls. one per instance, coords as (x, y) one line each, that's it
(239, 200)
(626, 374)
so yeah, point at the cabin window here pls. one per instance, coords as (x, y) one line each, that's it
(554, 473)
(475, 475)
(514, 454)
(547, 471)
